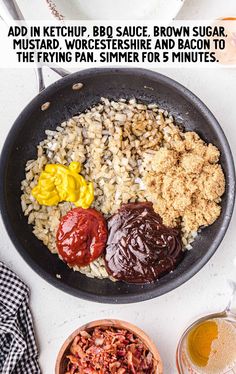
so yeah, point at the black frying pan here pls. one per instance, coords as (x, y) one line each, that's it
(28, 131)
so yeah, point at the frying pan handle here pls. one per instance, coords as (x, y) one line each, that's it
(11, 11)
(40, 78)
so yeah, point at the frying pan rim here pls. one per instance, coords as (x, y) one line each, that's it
(173, 283)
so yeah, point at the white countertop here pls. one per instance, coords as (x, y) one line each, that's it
(192, 9)
(57, 314)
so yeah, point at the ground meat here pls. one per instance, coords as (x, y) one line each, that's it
(201, 213)
(164, 159)
(211, 182)
(192, 163)
(212, 154)
(184, 180)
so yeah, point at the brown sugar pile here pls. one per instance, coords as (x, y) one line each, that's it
(184, 180)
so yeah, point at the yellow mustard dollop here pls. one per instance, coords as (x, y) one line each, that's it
(63, 183)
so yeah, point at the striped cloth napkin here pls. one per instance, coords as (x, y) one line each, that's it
(18, 350)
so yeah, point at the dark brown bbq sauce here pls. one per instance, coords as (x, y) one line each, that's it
(140, 249)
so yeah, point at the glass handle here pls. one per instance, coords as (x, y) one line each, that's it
(228, 308)
(10, 10)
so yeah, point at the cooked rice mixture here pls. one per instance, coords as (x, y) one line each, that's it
(131, 152)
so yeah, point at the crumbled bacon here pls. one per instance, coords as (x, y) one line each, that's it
(109, 351)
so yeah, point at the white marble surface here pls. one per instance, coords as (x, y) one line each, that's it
(57, 314)
(207, 9)
(192, 9)
(105, 9)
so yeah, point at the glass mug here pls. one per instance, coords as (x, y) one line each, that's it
(184, 363)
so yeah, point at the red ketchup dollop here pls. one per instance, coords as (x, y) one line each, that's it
(140, 249)
(81, 236)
